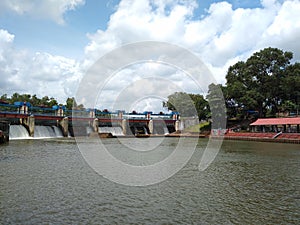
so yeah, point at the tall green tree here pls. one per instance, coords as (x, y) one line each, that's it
(52, 101)
(201, 105)
(291, 88)
(35, 101)
(4, 97)
(257, 84)
(70, 102)
(188, 104)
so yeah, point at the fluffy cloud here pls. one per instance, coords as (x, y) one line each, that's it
(38, 73)
(220, 38)
(49, 9)
(284, 31)
(142, 20)
(222, 35)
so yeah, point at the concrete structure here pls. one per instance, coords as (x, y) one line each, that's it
(124, 126)
(28, 123)
(96, 125)
(64, 125)
(82, 122)
(151, 126)
(4, 132)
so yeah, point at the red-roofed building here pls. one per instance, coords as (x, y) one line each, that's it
(277, 124)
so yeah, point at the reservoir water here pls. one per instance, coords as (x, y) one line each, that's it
(46, 181)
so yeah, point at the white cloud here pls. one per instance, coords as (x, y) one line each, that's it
(6, 40)
(221, 38)
(223, 34)
(139, 21)
(39, 73)
(46, 9)
(284, 31)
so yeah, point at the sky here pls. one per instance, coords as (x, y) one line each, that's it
(48, 47)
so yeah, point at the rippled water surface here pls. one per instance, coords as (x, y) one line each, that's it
(48, 182)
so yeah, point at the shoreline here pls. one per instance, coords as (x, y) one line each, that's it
(292, 138)
(286, 140)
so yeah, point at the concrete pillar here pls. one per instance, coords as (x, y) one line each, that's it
(175, 117)
(151, 126)
(60, 112)
(177, 127)
(148, 116)
(96, 125)
(29, 124)
(120, 115)
(92, 113)
(24, 109)
(124, 126)
(64, 124)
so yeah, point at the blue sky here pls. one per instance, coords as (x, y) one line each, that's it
(47, 46)
(66, 39)
(70, 38)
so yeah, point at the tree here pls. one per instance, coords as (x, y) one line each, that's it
(14, 98)
(291, 88)
(187, 105)
(70, 102)
(257, 83)
(52, 102)
(201, 105)
(35, 101)
(44, 100)
(4, 97)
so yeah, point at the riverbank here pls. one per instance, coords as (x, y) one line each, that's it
(265, 137)
(244, 136)
(248, 136)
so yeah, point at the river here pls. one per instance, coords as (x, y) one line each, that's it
(48, 182)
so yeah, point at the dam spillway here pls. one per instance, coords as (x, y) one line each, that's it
(31, 122)
(20, 132)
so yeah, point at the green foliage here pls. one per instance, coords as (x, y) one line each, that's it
(188, 104)
(291, 87)
(199, 127)
(70, 102)
(32, 99)
(263, 83)
(45, 101)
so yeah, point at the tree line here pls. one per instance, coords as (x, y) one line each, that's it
(267, 84)
(44, 102)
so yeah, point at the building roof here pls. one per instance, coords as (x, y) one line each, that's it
(277, 121)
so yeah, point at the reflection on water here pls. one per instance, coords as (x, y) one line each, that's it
(47, 181)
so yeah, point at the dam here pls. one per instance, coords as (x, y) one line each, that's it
(26, 121)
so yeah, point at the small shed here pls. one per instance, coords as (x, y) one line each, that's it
(288, 124)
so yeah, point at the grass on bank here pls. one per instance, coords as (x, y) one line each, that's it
(199, 127)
